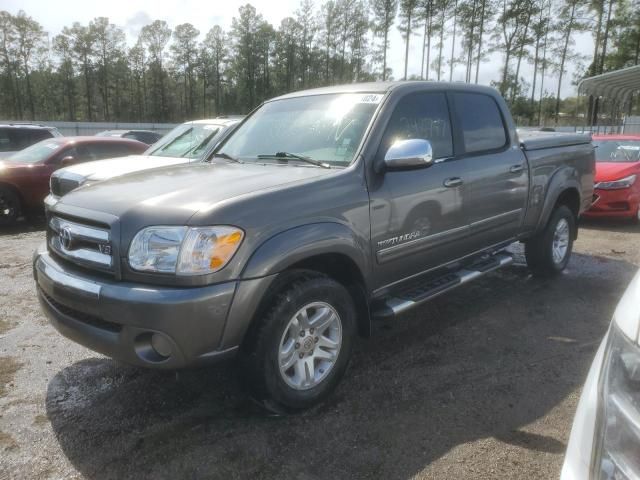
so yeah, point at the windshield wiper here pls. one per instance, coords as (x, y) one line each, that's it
(294, 156)
(225, 156)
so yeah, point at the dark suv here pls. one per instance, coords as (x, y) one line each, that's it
(144, 136)
(15, 137)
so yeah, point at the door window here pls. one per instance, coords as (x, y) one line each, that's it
(99, 151)
(421, 116)
(482, 125)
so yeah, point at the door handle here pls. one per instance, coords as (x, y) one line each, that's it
(516, 169)
(452, 182)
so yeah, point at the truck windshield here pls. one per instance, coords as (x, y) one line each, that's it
(623, 151)
(189, 140)
(326, 128)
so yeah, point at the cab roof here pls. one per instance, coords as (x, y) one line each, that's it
(386, 87)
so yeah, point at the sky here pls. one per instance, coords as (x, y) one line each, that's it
(132, 15)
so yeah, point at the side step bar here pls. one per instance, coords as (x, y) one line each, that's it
(421, 291)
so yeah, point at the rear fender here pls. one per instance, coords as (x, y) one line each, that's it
(566, 178)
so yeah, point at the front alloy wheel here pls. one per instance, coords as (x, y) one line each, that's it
(298, 350)
(310, 345)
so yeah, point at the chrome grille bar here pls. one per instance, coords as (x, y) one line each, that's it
(82, 244)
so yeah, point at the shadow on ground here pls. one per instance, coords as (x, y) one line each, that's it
(483, 361)
(24, 225)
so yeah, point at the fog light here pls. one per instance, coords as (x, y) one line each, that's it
(161, 345)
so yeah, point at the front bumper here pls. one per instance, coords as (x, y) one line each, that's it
(622, 203)
(119, 319)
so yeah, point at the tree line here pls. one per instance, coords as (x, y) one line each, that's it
(169, 74)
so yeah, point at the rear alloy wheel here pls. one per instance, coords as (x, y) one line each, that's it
(548, 252)
(300, 349)
(9, 207)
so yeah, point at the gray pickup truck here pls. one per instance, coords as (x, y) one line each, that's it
(324, 210)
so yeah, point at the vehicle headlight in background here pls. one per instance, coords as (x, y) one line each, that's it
(617, 455)
(184, 250)
(625, 182)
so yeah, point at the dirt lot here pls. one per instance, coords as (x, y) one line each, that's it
(480, 383)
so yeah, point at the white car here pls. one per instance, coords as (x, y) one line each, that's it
(187, 143)
(605, 438)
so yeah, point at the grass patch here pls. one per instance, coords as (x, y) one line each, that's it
(8, 368)
(7, 442)
(40, 420)
(5, 326)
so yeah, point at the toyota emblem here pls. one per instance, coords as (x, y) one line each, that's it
(65, 238)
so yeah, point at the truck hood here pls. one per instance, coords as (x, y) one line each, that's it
(608, 171)
(104, 169)
(172, 195)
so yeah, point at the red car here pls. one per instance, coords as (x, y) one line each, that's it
(24, 176)
(617, 188)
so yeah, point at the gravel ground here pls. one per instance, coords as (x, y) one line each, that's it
(480, 383)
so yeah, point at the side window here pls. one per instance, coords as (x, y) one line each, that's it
(99, 151)
(37, 135)
(5, 140)
(423, 116)
(66, 152)
(19, 138)
(482, 125)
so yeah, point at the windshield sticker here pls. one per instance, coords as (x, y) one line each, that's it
(633, 148)
(52, 146)
(371, 98)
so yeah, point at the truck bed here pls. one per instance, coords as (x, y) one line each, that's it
(537, 140)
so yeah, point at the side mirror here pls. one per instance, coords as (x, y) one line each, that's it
(66, 161)
(407, 154)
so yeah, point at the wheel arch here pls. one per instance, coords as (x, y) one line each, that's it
(564, 189)
(331, 249)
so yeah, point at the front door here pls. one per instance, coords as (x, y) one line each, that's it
(417, 218)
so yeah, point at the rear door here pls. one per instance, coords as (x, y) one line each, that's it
(497, 178)
(417, 216)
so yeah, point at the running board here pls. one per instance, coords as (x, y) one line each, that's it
(420, 291)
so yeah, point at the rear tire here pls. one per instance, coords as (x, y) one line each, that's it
(309, 325)
(548, 253)
(10, 207)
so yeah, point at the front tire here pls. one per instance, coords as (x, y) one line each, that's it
(548, 253)
(10, 207)
(302, 346)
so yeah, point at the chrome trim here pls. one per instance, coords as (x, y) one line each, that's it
(82, 232)
(50, 200)
(377, 293)
(431, 238)
(81, 254)
(70, 282)
(479, 223)
(399, 305)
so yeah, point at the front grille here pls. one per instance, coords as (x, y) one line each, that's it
(62, 186)
(80, 243)
(79, 316)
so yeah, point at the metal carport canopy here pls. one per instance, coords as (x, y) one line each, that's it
(617, 86)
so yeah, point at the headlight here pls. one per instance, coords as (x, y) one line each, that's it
(184, 250)
(616, 454)
(625, 182)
